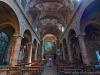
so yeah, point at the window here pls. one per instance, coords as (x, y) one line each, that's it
(3, 48)
(98, 55)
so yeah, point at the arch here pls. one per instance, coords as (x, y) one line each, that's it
(27, 38)
(64, 41)
(35, 42)
(91, 28)
(92, 37)
(71, 34)
(27, 34)
(49, 45)
(74, 47)
(91, 13)
(90, 25)
(25, 47)
(9, 26)
(49, 37)
(8, 17)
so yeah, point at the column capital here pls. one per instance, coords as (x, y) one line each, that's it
(18, 36)
(81, 35)
(29, 43)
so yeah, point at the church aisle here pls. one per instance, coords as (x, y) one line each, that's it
(49, 69)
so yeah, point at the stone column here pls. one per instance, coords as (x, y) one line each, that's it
(70, 54)
(30, 53)
(84, 53)
(8, 57)
(36, 51)
(63, 52)
(60, 52)
(15, 49)
(40, 49)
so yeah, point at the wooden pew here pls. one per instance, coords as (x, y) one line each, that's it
(4, 70)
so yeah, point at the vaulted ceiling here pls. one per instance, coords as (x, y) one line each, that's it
(51, 15)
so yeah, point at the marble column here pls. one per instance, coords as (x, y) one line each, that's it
(15, 49)
(30, 53)
(84, 53)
